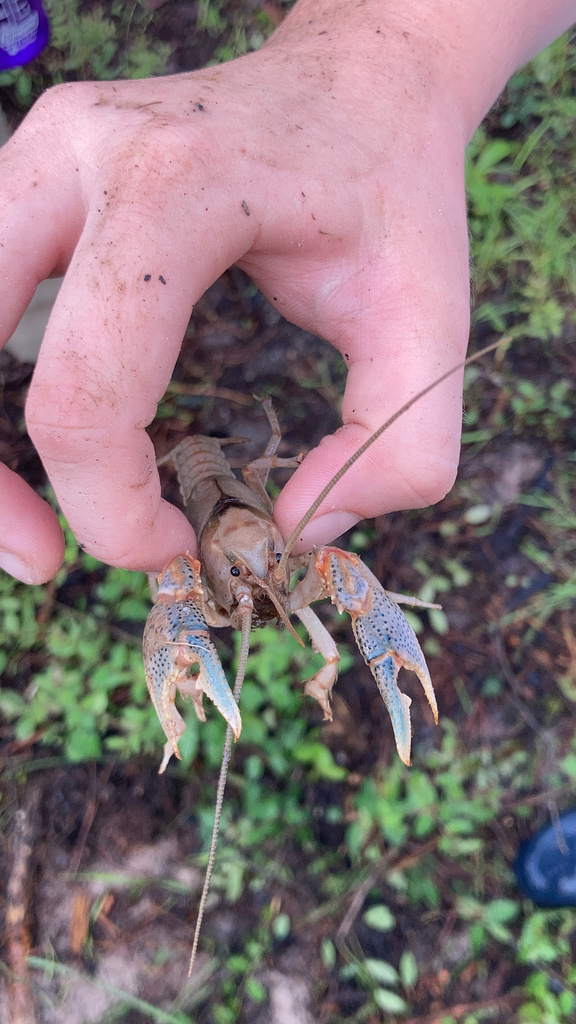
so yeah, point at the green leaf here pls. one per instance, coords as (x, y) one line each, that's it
(567, 1001)
(381, 971)
(389, 1001)
(281, 927)
(189, 740)
(82, 746)
(439, 621)
(238, 964)
(568, 765)
(328, 954)
(408, 969)
(420, 793)
(380, 918)
(255, 990)
(501, 911)
(477, 514)
(491, 154)
(536, 943)
(321, 760)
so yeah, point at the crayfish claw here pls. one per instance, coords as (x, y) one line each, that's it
(384, 636)
(180, 656)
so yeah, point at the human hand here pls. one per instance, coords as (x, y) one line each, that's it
(333, 174)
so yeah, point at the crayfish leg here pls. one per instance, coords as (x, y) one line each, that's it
(255, 474)
(319, 686)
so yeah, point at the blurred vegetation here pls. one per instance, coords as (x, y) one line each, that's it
(426, 845)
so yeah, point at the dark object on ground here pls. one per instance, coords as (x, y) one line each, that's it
(545, 867)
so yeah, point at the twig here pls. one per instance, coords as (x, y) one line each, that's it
(356, 906)
(386, 864)
(88, 819)
(20, 1002)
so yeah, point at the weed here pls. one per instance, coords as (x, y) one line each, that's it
(238, 33)
(521, 211)
(548, 1002)
(90, 695)
(125, 1001)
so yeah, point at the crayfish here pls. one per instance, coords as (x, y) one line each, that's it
(242, 578)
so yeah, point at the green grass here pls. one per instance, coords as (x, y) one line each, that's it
(89, 694)
(237, 29)
(522, 216)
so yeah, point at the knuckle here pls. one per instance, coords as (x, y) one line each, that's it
(55, 108)
(65, 429)
(76, 405)
(122, 556)
(60, 99)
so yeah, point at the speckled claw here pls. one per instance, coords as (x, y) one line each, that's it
(176, 639)
(383, 634)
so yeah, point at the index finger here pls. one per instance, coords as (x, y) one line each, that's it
(140, 256)
(106, 359)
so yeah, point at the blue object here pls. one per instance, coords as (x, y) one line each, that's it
(24, 32)
(545, 867)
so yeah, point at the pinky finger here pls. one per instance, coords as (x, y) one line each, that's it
(31, 541)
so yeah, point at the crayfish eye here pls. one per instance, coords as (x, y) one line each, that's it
(278, 557)
(234, 571)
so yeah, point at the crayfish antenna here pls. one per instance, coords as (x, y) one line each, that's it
(246, 609)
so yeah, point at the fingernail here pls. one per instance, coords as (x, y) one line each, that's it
(14, 565)
(325, 529)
